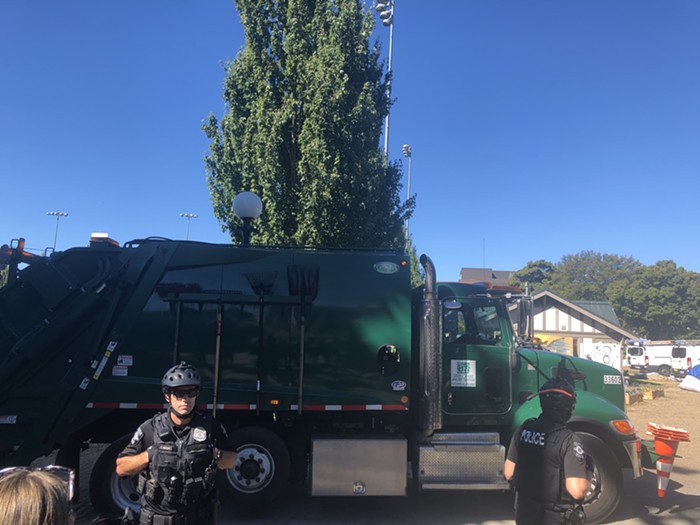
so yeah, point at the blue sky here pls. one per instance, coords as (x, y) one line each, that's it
(539, 128)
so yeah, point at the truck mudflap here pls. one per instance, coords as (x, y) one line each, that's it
(634, 451)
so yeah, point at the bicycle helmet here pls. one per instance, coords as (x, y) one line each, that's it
(557, 399)
(181, 375)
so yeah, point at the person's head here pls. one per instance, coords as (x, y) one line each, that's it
(557, 399)
(34, 497)
(181, 385)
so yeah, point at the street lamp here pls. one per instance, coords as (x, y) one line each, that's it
(407, 153)
(248, 207)
(385, 8)
(58, 215)
(189, 217)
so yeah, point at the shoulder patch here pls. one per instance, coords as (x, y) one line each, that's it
(578, 451)
(138, 436)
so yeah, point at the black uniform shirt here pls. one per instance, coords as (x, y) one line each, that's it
(143, 438)
(542, 451)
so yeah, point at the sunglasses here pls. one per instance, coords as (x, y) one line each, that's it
(65, 474)
(182, 394)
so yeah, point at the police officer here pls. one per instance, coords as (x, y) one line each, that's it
(547, 461)
(176, 455)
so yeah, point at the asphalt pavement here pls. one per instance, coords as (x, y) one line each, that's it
(640, 506)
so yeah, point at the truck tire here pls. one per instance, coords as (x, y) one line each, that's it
(109, 493)
(605, 489)
(262, 468)
(664, 370)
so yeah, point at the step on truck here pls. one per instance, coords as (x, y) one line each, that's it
(325, 367)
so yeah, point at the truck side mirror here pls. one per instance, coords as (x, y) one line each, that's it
(525, 316)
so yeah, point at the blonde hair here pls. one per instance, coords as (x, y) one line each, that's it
(31, 497)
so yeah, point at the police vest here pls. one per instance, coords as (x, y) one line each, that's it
(182, 469)
(540, 466)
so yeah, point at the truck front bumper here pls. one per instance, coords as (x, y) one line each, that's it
(634, 451)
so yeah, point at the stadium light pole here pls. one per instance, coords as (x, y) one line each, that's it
(385, 8)
(58, 215)
(189, 217)
(408, 153)
(248, 207)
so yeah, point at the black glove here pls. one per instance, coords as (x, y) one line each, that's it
(575, 516)
(589, 467)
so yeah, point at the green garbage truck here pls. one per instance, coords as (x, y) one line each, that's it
(325, 367)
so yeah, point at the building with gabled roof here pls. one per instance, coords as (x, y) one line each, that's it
(588, 329)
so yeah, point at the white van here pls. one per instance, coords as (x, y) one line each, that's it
(651, 358)
(637, 357)
(683, 358)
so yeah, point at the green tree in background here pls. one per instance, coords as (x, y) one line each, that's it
(417, 272)
(536, 275)
(656, 302)
(659, 302)
(586, 276)
(306, 99)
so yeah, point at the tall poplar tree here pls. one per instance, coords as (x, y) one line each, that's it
(306, 98)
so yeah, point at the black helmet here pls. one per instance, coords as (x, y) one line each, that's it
(181, 375)
(557, 399)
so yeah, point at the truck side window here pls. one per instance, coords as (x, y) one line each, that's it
(453, 325)
(488, 324)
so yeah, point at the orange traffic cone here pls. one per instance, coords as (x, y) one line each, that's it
(666, 441)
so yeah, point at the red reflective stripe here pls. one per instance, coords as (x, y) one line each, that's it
(314, 408)
(353, 407)
(104, 405)
(236, 406)
(394, 407)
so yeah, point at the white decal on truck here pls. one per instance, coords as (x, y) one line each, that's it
(125, 360)
(386, 267)
(612, 380)
(463, 372)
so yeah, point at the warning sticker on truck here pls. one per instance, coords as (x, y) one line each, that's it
(463, 373)
(125, 360)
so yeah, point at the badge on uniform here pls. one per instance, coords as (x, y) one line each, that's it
(578, 451)
(199, 434)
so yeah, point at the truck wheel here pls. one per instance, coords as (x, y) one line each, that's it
(605, 489)
(664, 370)
(262, 466)
(109, 493)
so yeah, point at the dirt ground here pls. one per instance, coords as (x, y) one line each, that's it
(677, 408)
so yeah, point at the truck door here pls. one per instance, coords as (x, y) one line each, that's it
(476, 339)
